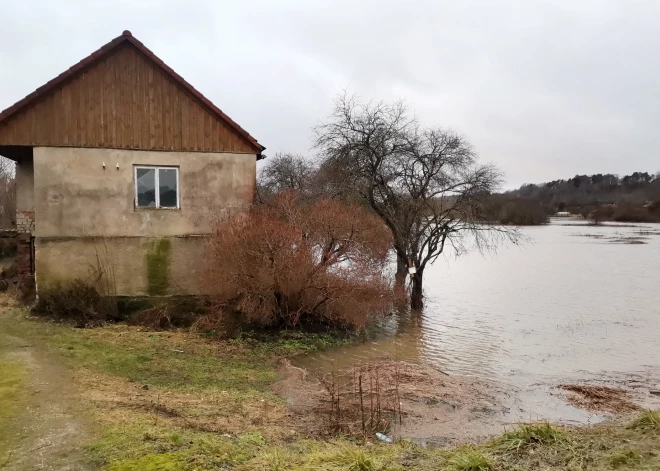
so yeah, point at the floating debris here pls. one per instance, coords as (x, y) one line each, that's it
(599, 398)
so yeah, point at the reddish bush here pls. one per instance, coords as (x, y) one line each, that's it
(291, 262)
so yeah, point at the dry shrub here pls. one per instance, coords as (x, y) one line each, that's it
(8, 277)
(290, 263)
(218, 322)
(87, 302)
(9, 296)
(78, 302)
(164, 315)
(7, 200)
(362, 401)
(195, 313)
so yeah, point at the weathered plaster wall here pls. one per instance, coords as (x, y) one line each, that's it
(137, 266)
(84, 211)
(75, 196)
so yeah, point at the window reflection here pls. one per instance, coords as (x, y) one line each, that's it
(146, 187)
(167, 187)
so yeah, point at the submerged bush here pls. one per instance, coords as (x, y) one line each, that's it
(78, 302)
(292, 263)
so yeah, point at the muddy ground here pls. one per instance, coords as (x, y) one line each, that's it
(436, 408)
(440, 409)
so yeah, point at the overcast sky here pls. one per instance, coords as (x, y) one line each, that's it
(545, 89)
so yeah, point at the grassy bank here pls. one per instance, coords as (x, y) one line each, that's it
(12, 381)
(13, 376)
(180, 401)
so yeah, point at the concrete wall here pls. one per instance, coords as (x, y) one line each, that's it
(75, 196)
(135, 266)
(85, 213)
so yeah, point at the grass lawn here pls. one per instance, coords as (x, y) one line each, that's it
(181, 401)
(12, 381)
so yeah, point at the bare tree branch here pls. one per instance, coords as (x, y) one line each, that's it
(426, 184)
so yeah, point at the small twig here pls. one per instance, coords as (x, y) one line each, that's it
(364, 428)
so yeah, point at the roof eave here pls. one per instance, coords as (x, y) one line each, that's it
(88, 61)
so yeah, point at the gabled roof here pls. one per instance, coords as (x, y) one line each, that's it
(127, 37)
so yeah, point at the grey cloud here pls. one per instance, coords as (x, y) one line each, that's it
(546, 89)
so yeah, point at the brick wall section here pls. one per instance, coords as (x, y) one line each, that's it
(25, 222)
(25, 229)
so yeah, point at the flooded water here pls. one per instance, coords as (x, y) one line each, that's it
(575, 303)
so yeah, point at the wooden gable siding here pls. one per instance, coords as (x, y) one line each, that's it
(123, 101)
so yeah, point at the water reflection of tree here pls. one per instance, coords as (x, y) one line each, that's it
(447, 340)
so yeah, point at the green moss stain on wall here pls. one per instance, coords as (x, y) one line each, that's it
(158, 266)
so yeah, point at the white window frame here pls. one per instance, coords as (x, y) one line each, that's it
(157, 169)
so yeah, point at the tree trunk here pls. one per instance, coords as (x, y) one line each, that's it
(401, 274)
(417, 297)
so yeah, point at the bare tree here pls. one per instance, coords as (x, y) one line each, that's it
(285, 172)
(293, 172)
(7, 193)
(424, 183)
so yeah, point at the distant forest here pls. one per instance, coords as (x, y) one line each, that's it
(632, 198)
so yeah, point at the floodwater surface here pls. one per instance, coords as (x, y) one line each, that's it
(574, 303)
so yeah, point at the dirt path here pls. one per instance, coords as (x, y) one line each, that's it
(46, 432)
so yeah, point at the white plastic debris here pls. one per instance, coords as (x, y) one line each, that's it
(383, 438)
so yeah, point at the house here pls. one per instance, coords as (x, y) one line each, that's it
(122, 168)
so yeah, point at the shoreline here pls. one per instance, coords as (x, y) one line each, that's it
(178, 400)
(441, 409)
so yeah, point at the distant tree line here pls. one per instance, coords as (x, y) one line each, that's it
(632, 198)
(512, 210)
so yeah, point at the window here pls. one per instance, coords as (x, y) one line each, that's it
(157, 187)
